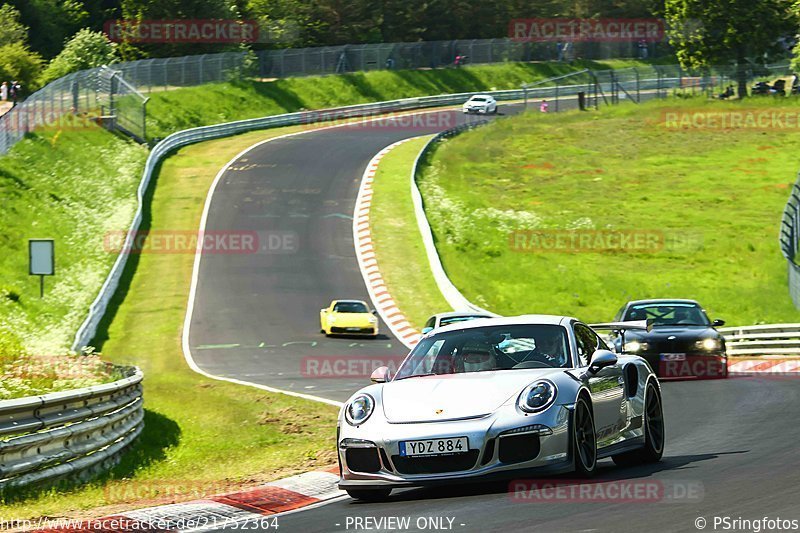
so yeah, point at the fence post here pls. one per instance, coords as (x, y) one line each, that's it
(144, 119)
(638, 92)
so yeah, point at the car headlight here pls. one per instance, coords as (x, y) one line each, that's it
(538, 396)
(373, 320)
(332, 319)
(635, 346)
(359, 409)
(708, 345)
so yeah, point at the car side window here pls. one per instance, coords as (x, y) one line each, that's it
(431, 321)
(584, 344)
(588, 342)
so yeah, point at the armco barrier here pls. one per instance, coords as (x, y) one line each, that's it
(789, 239)
(70, 434)
(767, 339)
(451, 294)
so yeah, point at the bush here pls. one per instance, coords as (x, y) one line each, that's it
(86, 49)
(19, 63)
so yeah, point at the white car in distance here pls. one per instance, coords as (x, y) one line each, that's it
(482, 104)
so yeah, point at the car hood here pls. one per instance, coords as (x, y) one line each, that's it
(679, 332)
(351, 319)
(455, 396)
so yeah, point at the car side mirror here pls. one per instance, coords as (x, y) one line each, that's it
(718, 322)
(601, 359)
(427, 330)
(374, 312)
(381, 375)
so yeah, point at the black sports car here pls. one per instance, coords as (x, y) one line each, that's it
(682, 342)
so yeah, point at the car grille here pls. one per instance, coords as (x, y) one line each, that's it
(363, 460)
(666, 346)
(519, 448)
(335, 329)
(435, 465)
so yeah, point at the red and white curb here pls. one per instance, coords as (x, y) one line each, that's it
(367, 262)
(764, 366)
(252, 509)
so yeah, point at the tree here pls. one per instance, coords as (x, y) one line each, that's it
(727, 32)
(86, 49)
(12, 30)
(19, 63)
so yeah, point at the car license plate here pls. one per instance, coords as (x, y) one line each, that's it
(673, 357)
(353, 329)
(419, 448)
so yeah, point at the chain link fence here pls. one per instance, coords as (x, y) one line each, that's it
(99, 95)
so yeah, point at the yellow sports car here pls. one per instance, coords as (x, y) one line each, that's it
(348, 317)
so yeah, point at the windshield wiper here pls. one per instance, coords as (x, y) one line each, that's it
(416, 376)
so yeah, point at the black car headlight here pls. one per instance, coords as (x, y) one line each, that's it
(359, 409)
(537, 396)
(708, 345)
(635, 346)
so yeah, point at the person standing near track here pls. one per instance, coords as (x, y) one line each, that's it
(543, 106)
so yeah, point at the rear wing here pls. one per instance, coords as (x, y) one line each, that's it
(641, 325)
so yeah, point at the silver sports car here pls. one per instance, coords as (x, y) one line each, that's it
(497, 397)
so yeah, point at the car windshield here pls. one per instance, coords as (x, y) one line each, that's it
(350, 307)
(455, 319)
(669, 314)
(479, 98)
(488, 348)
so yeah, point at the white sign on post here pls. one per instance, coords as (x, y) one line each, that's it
(41, 260)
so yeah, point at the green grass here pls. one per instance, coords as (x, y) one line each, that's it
(25, 375)
(169, 111)
(201, 436)
(74, 185)
(398, 246)
(717, 196)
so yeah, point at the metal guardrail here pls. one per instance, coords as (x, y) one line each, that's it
(70, 434)
(767, 339)
(789, 239)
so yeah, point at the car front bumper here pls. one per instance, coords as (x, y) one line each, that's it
(500, 446)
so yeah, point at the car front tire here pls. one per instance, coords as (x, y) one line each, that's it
(584, 439)
(369, 495)
(653, 422)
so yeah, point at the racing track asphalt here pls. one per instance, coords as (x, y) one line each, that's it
(735, 439)
(256, 316)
